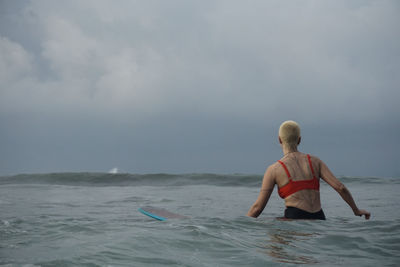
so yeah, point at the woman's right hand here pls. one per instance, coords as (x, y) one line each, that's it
(363, 212)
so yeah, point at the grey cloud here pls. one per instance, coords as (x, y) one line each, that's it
(133, 64)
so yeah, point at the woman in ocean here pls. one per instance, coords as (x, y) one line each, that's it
(297, 177)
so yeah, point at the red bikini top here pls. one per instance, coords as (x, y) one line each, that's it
(294, 186)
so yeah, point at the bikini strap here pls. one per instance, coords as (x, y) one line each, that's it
(286, 169)
(311, 167)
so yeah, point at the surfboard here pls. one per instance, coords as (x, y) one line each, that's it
(160, 214)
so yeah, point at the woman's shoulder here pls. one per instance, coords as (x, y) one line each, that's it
(273, 168)
(314, 158)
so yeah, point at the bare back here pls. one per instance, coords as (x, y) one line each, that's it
(299, 169)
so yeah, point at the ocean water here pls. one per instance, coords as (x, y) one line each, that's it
(92, 219)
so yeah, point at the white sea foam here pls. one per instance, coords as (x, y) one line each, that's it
(113, 170)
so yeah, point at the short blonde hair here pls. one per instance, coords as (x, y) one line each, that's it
(289, 132)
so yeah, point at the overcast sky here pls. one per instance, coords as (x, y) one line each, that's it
(198, 86)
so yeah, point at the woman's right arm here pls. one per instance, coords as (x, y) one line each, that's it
(330, 179)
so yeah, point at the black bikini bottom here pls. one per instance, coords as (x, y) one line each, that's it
(295, 213)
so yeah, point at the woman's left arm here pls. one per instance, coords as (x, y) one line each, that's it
(265, 193)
